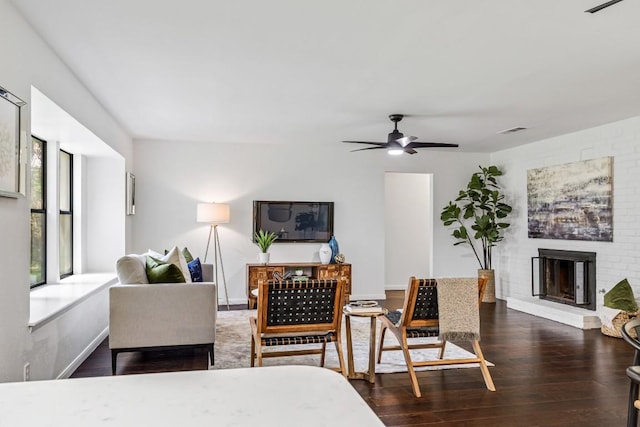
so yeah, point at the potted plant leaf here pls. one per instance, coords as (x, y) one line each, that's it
(478, 216)
(264, 239)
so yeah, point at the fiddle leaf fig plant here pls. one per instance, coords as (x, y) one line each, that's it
(264, 239)
(478, 214)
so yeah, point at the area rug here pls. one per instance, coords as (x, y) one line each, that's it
(233, 343)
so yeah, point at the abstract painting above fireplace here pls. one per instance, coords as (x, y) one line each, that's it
(572, 201)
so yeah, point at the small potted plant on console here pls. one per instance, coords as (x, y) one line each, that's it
(264, 239)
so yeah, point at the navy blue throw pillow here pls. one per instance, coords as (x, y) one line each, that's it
(195, 268)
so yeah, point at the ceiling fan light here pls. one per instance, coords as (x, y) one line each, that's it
(395, 151)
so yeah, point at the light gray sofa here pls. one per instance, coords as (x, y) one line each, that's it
(145, 316)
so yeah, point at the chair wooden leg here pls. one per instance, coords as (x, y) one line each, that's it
(409, 362)
(442, 349)
(324, 352)
(253, 351)
(259, 353)
(338, 343)
(380, 346)
(483, 366)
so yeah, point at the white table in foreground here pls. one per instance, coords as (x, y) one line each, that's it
(269, 396)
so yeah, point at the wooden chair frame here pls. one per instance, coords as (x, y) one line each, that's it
(407, 323)
(263, 330)
(633, 401)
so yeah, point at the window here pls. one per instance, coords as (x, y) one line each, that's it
(65, 203)
(38, 212)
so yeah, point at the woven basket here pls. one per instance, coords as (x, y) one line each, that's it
(618, 321)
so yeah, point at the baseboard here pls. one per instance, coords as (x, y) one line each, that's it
(402, 287)
(232, 301)
(69, 370)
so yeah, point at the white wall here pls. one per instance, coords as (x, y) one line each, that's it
(26, 60)
(408, 228)
(57, 345)
(172, 177)
(104, 210)
(615, 260)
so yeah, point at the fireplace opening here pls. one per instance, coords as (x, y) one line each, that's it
(566, 277)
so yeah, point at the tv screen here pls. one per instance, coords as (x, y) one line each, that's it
(294, 221)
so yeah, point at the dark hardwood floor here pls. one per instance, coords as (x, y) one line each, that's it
(546, 374)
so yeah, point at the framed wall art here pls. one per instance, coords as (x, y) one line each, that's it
(131, 194)
(10, 173)
(572, 201)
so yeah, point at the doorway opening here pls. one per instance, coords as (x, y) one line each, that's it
(408, 222)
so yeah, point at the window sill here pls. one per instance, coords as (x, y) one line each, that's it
(50, 301)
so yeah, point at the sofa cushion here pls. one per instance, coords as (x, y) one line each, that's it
(195, 268)
(174, 256)
(187, 255)
(131, 269)
(159, 271)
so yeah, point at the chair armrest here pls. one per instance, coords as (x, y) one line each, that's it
(162, 314)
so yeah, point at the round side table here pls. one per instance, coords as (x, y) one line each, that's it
(370, 374)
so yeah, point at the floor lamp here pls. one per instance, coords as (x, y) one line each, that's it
(215, 214)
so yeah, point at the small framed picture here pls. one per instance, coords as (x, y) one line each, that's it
(131, 194)
(10, 171)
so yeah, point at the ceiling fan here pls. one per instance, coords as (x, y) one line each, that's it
(397, 143)
(602, 6)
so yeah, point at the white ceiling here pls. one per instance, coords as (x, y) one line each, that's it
(296, 72)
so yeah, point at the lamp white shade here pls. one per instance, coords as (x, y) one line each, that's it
(213, 213)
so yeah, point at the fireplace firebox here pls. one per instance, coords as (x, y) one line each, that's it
(566, 277)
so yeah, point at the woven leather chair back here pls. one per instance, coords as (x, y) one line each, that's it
(301, 302)
(298, 306)
(426, 305)
(421, 302)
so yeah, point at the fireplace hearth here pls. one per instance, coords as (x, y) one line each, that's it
(566, 277)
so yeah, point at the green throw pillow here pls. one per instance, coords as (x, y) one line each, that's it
(621, 297)
(187, 255)
(162, 272)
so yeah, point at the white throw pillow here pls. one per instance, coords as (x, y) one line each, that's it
(131, 269)
(174, 256)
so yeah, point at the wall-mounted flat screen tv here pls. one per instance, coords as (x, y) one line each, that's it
(294, 221)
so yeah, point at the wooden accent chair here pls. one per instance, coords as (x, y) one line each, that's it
(630, 332)
(419, 318)
(292, 312)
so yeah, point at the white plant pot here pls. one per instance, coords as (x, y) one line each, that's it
(325, 253)
(263, 257)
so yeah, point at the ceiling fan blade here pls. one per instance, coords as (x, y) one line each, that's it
(365, 142)
(369, 148)
(406, 140)
(430, 144)
(602, 6)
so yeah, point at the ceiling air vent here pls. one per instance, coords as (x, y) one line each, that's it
(512, 130)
